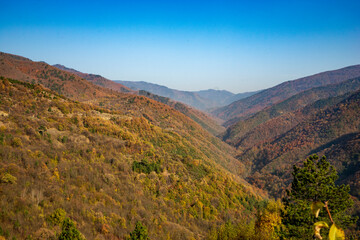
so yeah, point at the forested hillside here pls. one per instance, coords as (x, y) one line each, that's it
(96, 79)
(270, 161)
(250, 105)
(206, 121)
(281, 117)
(62, 82)
(108, 169)
(106, 160)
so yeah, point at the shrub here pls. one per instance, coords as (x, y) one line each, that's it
(145, 167)
(8, 178)
(57, 217)
(16, 142)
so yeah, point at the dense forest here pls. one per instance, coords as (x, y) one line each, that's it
(106, 171)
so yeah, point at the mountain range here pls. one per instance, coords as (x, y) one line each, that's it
(203, 100)
(107, 154)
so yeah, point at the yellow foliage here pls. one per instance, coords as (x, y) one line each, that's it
(268, 220)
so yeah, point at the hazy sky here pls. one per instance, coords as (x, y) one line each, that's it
(189, 45)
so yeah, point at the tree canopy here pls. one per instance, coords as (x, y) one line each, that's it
(313, 183)
(140, 232)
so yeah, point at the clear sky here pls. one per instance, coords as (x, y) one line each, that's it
(189, 45)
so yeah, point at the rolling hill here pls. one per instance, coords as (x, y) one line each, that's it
(243, 108)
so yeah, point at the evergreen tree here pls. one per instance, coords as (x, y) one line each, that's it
(313, 183)
(69, 231)
(140, 232)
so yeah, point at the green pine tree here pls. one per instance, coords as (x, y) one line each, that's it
(314, 182)
(140, 232)
(69, 231)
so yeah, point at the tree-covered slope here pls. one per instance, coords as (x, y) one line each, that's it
(270, 161)
(65, 83)
(96, 79)
(250, 105)
(82, 86)
(204, 120)
(344, 153)
(107, 169)
(207, 122)
(281, 117)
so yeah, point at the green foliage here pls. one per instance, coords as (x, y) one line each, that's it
(69, 231)
(335, 232)
(145, 167)
(314, 182)
(4, 233)
(57, 217)
(265, 226)
(268, 221)
(316, 207)
(226, 231)
(140, 232)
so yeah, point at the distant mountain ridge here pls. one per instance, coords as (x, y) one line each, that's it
(250, 105)
(202, 100)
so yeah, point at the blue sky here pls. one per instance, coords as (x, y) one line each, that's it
(189, 45)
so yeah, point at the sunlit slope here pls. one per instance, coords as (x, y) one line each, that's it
(110, 168)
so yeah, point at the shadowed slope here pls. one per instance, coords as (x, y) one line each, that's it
(281, 117)
(271, 161)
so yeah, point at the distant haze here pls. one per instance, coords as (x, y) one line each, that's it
(238, 46)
